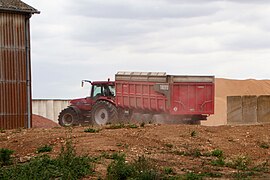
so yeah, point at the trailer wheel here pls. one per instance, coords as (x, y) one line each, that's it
(103, 113)
(68, 117)
(158, 119)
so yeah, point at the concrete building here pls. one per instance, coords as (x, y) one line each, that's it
(15, 64)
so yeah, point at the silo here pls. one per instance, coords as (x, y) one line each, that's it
(15, 64)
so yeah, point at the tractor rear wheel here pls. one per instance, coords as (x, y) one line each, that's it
(103, 113)
(68, 117)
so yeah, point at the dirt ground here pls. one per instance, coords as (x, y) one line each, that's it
(184, 148)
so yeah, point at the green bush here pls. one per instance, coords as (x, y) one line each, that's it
(193, 134)
(116, 126)
(45, 148)
(5, 156)
(217, 153)
(239, 163)
(91, 130)
(218, 162)
(168, 170)
(264, 145)
(132, 126)
(195, 153)
(119, 169)
(169, 145)
(141, 169)
(66, 166)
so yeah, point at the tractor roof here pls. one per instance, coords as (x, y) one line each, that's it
(103, 82)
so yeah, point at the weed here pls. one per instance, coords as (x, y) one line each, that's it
(119, 144)
(242, 175)
(2, 130)
(193, 176)
(180, 153)
(193, 134)
(168, 170)
(218, 162)
(132, 126)
(213, 174)
(261, 167)
(45, 148)
(217, 153)
(169, 145)
(239, 163)
(264, 145)
(142, 168)
(195, 153)
(66, 166)
(119, 169)
(5, 157)
(105, 155)
(91, 130)
(192, 152)
(142, 124)
(116, 126)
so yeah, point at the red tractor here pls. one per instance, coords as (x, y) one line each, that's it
(99, 108)
(143, 96)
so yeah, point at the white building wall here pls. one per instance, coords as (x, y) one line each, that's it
(49, 108)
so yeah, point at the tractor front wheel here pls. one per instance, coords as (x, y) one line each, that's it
(68, 117)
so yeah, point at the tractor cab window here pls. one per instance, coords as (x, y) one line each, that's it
(97, 90)
(103, 90)
(112, 90)
(108, 90)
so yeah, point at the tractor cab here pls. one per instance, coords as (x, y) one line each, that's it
(102, 89)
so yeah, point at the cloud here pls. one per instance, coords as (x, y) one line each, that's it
(140, 9)
(93, 39)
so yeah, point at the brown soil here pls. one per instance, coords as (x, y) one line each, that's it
(42, 122)
(161, 143)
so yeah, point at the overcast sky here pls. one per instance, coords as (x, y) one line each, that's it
(93, 39)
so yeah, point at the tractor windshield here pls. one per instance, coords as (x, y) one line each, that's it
(103, 90)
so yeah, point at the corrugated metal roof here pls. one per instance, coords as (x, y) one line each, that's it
(17, 6)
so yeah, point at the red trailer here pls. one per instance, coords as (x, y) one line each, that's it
(146, 96)
(183, 97)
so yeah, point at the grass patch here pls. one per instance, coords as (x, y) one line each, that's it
(45, 148)
(2, 130)
(192, 152)
(217, 153)
(195, 153)
(91, 130)
(168, 170)
(5, 156)
(169, 145)
(239, 163)
(218, 162)
(132, 126)
(193, 134)
(142, 168)
(264, 145)
(66, 166)
(116, 126)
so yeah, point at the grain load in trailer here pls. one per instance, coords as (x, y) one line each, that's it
(143, 96)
